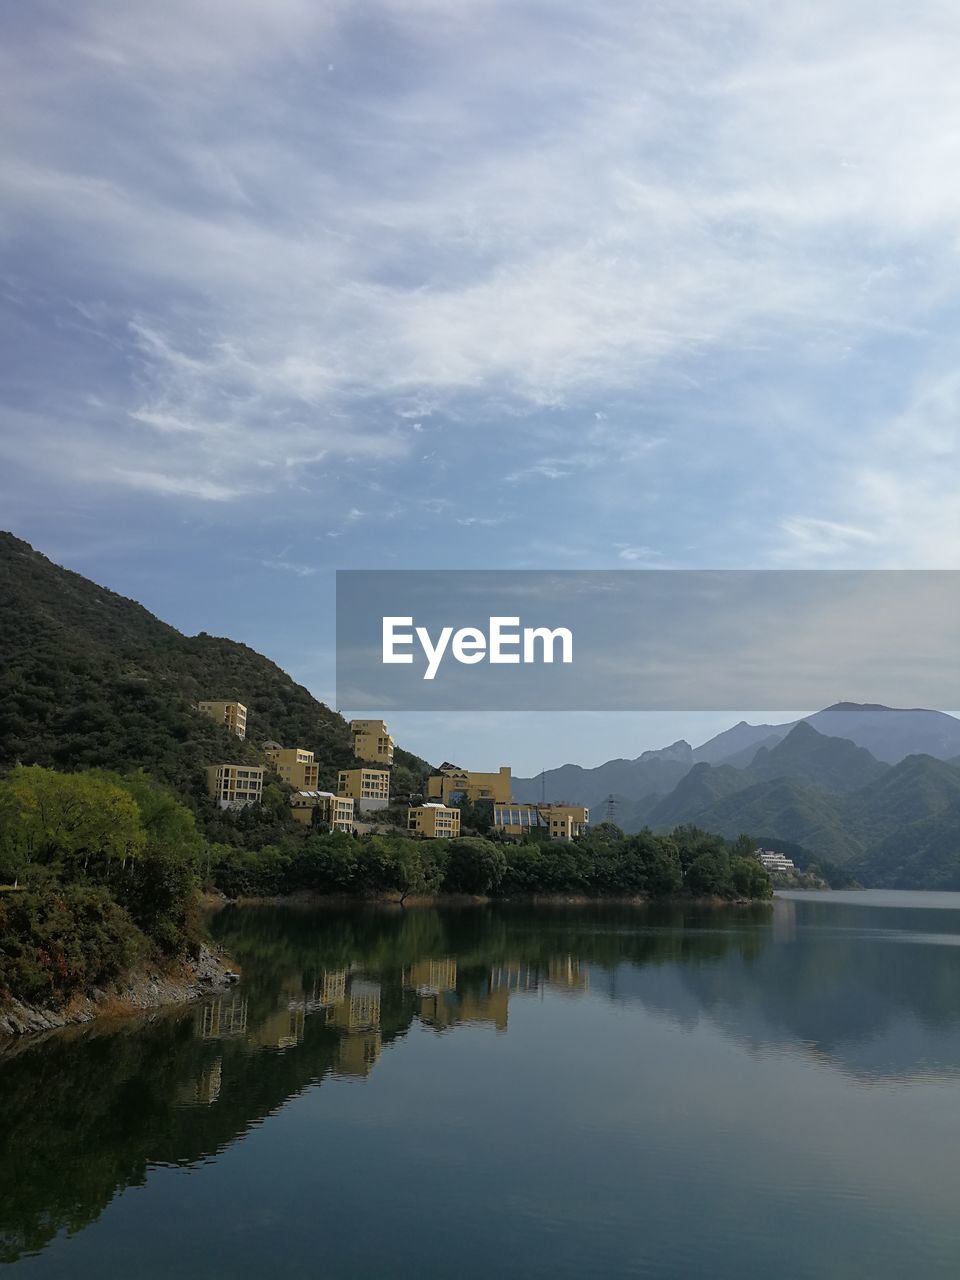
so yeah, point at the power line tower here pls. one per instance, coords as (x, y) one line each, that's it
(611, 813)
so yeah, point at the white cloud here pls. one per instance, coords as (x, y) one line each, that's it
(521, 216)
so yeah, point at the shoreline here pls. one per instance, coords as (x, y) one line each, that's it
(139, 991)
(309, 898)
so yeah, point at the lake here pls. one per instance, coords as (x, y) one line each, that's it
(505, 1091)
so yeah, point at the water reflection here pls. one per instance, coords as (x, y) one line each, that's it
(87, 1112)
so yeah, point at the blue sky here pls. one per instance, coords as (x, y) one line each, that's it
(301, 286)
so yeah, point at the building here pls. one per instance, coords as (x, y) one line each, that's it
(515, 819)
(294, 765)
(372, 742)
(335, 812)
(561, 821)
(772, 861)
(234, 786)
(231, 714)
(433, 820)
(369, 787)
(452, 784)
(565, 821)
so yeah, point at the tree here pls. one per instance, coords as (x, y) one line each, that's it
(70, 819)
(474, 866)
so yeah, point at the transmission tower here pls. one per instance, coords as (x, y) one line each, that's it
(611, 814)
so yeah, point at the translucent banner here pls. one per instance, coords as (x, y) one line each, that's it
(645, 640)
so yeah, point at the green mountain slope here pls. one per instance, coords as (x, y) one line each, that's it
(805, 755)
(889, 825)
(703, 786)
(90, 678)
(796, 811)
(923, 854)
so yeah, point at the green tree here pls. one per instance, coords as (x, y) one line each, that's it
(474, 866)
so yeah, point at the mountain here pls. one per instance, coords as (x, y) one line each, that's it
(805, 755)
(807, 815)
(888, 733)
(92, 679)
(891, 733)
(916, 789)
(923, 853)
(703, 786)
(653, 772)
(893, 825)
(740, 739)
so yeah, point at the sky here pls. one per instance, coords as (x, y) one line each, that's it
(466, 284)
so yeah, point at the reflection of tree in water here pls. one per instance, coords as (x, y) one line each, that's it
(86, 1112)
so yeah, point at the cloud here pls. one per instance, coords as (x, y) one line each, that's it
(639, 231)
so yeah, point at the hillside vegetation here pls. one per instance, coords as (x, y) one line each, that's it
(93, 680)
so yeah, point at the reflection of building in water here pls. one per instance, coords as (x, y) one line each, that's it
(444, 1009)
(356, 1054)
(430, 977)
(491, 1007)
(784, 920)
(205, 1089)
(226, 1016)
(357, 1016)
(282, 1029)
(330, 988)
(515, 977)
(565, 972)
(360, 1011)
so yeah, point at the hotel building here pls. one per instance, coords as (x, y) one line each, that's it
(369, 787)
(231, 714)
(434, 820)
(234, 786)
(295, 765)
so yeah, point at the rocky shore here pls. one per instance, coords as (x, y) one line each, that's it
(148, 988)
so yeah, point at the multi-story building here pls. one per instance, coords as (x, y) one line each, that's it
(772, 861)
(369, 787)
(565, 821)
(234, 786)
(433, 820)
(335, 812)
(372, 742)
(231, 714)
(561, 821)
(294, 765)
(515, 819)
(451, 784)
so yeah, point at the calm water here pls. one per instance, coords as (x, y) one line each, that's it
(490, 1092)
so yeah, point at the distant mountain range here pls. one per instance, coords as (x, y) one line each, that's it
(873, 789)
(89, 678)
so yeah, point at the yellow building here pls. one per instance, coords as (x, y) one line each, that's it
(451, 783)
(335, 812)
(565, 821)
(231, 714)
(369, 787)
(434, 820)
(516, 819)
(561, 821)
(234, 786)
(372, 742)
(294, 765)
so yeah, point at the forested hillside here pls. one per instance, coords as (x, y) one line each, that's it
(91, 679)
